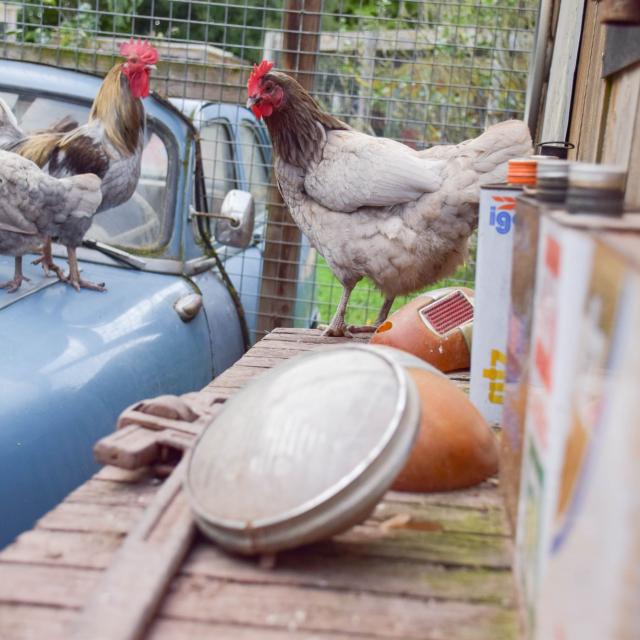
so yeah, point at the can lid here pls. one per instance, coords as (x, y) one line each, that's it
(304, 451)
(521, 171)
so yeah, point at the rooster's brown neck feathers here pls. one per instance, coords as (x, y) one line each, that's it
(295, 134)
(121, 113)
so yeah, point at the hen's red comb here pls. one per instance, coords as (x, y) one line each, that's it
(139, 49)
(258, 71)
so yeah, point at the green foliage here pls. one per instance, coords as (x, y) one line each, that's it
(237, 27)
(365, 300)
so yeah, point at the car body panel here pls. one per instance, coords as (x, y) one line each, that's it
(63, 387)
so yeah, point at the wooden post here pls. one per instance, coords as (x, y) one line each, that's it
(301, 26)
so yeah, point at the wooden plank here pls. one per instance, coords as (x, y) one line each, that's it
(444, 518)
(309, 338)
(165, 629)
(483, 497)
(124, 476)
(362, 574)
(492, 551)
(307, 567)
(88, 517)
(301, 34)
(28, 622)
(46, 586)
(632, 196)
(75, 549)
(109, 494)
(261, 362)
(563, 67)
(444, 548)
(210, 600)
(621, 117)
(125, 599)
(587, 113)
(282, 350)
(579, 105)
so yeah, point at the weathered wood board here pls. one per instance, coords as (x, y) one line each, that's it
(433, 566)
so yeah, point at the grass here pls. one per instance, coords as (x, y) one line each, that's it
(365, 301)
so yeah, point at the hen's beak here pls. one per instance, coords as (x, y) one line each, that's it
(253, 100)
(152, 66)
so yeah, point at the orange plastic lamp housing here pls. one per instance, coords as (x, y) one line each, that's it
(455, 447)
(435, 327)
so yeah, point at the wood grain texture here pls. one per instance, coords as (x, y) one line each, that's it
(563, 67)
(621, 117)
(587, 109)
(632, 198)
(422, 566)
(209, 600)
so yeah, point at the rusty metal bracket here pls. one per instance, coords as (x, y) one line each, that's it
(156, 431)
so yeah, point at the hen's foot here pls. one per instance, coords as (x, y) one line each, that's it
(79, 283)
(366, 328)
(13, 284)
(337, 331)
(48, 265)
(74, 278)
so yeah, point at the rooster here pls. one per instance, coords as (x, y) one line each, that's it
(33, 202)
(374, 207)
(109, 146)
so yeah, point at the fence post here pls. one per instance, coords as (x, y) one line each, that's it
(300, 43)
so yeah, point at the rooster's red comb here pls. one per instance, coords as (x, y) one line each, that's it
(259, 70)
(139, 49)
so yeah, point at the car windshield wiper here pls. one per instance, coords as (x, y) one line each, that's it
(116, 254)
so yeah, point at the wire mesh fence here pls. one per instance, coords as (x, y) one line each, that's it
(421, 72)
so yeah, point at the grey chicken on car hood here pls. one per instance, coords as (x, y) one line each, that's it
(374, 207)
(33, 203)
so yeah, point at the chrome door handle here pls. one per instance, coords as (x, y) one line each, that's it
(188, 306)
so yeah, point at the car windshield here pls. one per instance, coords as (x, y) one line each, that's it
(145, 220)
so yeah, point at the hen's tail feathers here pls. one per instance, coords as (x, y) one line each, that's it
(490, 152)
(83, 193)
(10, 132)
(64, 125)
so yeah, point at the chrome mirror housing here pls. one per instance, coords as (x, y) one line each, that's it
(234, 226)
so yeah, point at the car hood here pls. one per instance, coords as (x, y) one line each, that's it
(71, 362)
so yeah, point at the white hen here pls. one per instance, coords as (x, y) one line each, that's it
(371, 206)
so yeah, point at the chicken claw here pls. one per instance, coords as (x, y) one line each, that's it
(79, 283)
(366, 328)
(46, 260)
(18, 278)
(337, 330)
(14, 284)
(74, 278)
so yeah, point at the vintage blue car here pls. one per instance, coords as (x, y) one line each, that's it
(168, 322)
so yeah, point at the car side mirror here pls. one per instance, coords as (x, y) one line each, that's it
(234, 226)
(234, 223)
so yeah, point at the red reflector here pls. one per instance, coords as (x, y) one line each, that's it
(448, 313)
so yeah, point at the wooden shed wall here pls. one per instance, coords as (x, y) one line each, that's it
(604, 122)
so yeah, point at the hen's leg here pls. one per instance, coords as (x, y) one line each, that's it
(74, 278)
(338, 326)
(382, 316)
(18, 277)
(46, 260)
